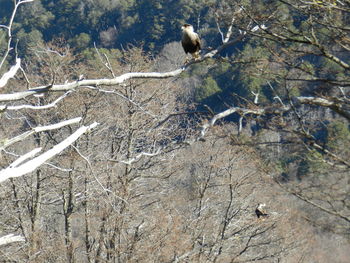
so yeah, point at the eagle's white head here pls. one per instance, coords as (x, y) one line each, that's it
(261, 206)
(187, 27)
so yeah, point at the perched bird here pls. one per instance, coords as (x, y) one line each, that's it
(190, 41)
(259, 211)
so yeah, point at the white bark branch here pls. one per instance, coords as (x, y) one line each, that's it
(57, 125)
(338, 105)
(10, 238)
(138, 157)
(31, 165)
(242, 111)
(316, 101)
(90, 82)
(218, 116)
(7, 142)
(229, 31)
(256, 97)
(24, 157)
(32, 107)
(9, 29)
(11, 73)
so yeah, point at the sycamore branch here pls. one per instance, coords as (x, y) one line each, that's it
(25, 157)
(226, 38)
(17, 169)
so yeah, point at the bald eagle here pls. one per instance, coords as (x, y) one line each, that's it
(259, 211)
(190, 41)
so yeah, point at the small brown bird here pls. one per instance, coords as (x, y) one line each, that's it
(190, 41)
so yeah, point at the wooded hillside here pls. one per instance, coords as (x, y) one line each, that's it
(113, 149)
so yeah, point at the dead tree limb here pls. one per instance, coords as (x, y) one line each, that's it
(31, 165)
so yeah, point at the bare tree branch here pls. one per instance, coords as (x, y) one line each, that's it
(11, 73)
(31, 165)
(10, 238)
(241, 111)
(7, 142)
(138, 157)
(335, 104)
(90, 82)
(32, 107)
(9, 29)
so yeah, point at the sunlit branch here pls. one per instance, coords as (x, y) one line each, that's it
(25, 157)
(11, 238)
(33, 107)
(7, 142)
(335, 104)
(242, 112)
(9, 29)
(31, 165)
(89, 82)
(138, 157)
(10, 74)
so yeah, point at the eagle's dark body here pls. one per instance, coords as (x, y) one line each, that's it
(260, 212)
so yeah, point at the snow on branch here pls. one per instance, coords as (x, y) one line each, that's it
(7, 142)
(11, 73)
(11, 238)
(31, 165)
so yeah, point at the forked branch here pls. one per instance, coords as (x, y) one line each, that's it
(29, 166)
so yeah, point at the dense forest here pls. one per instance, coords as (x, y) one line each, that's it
(115, 147)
